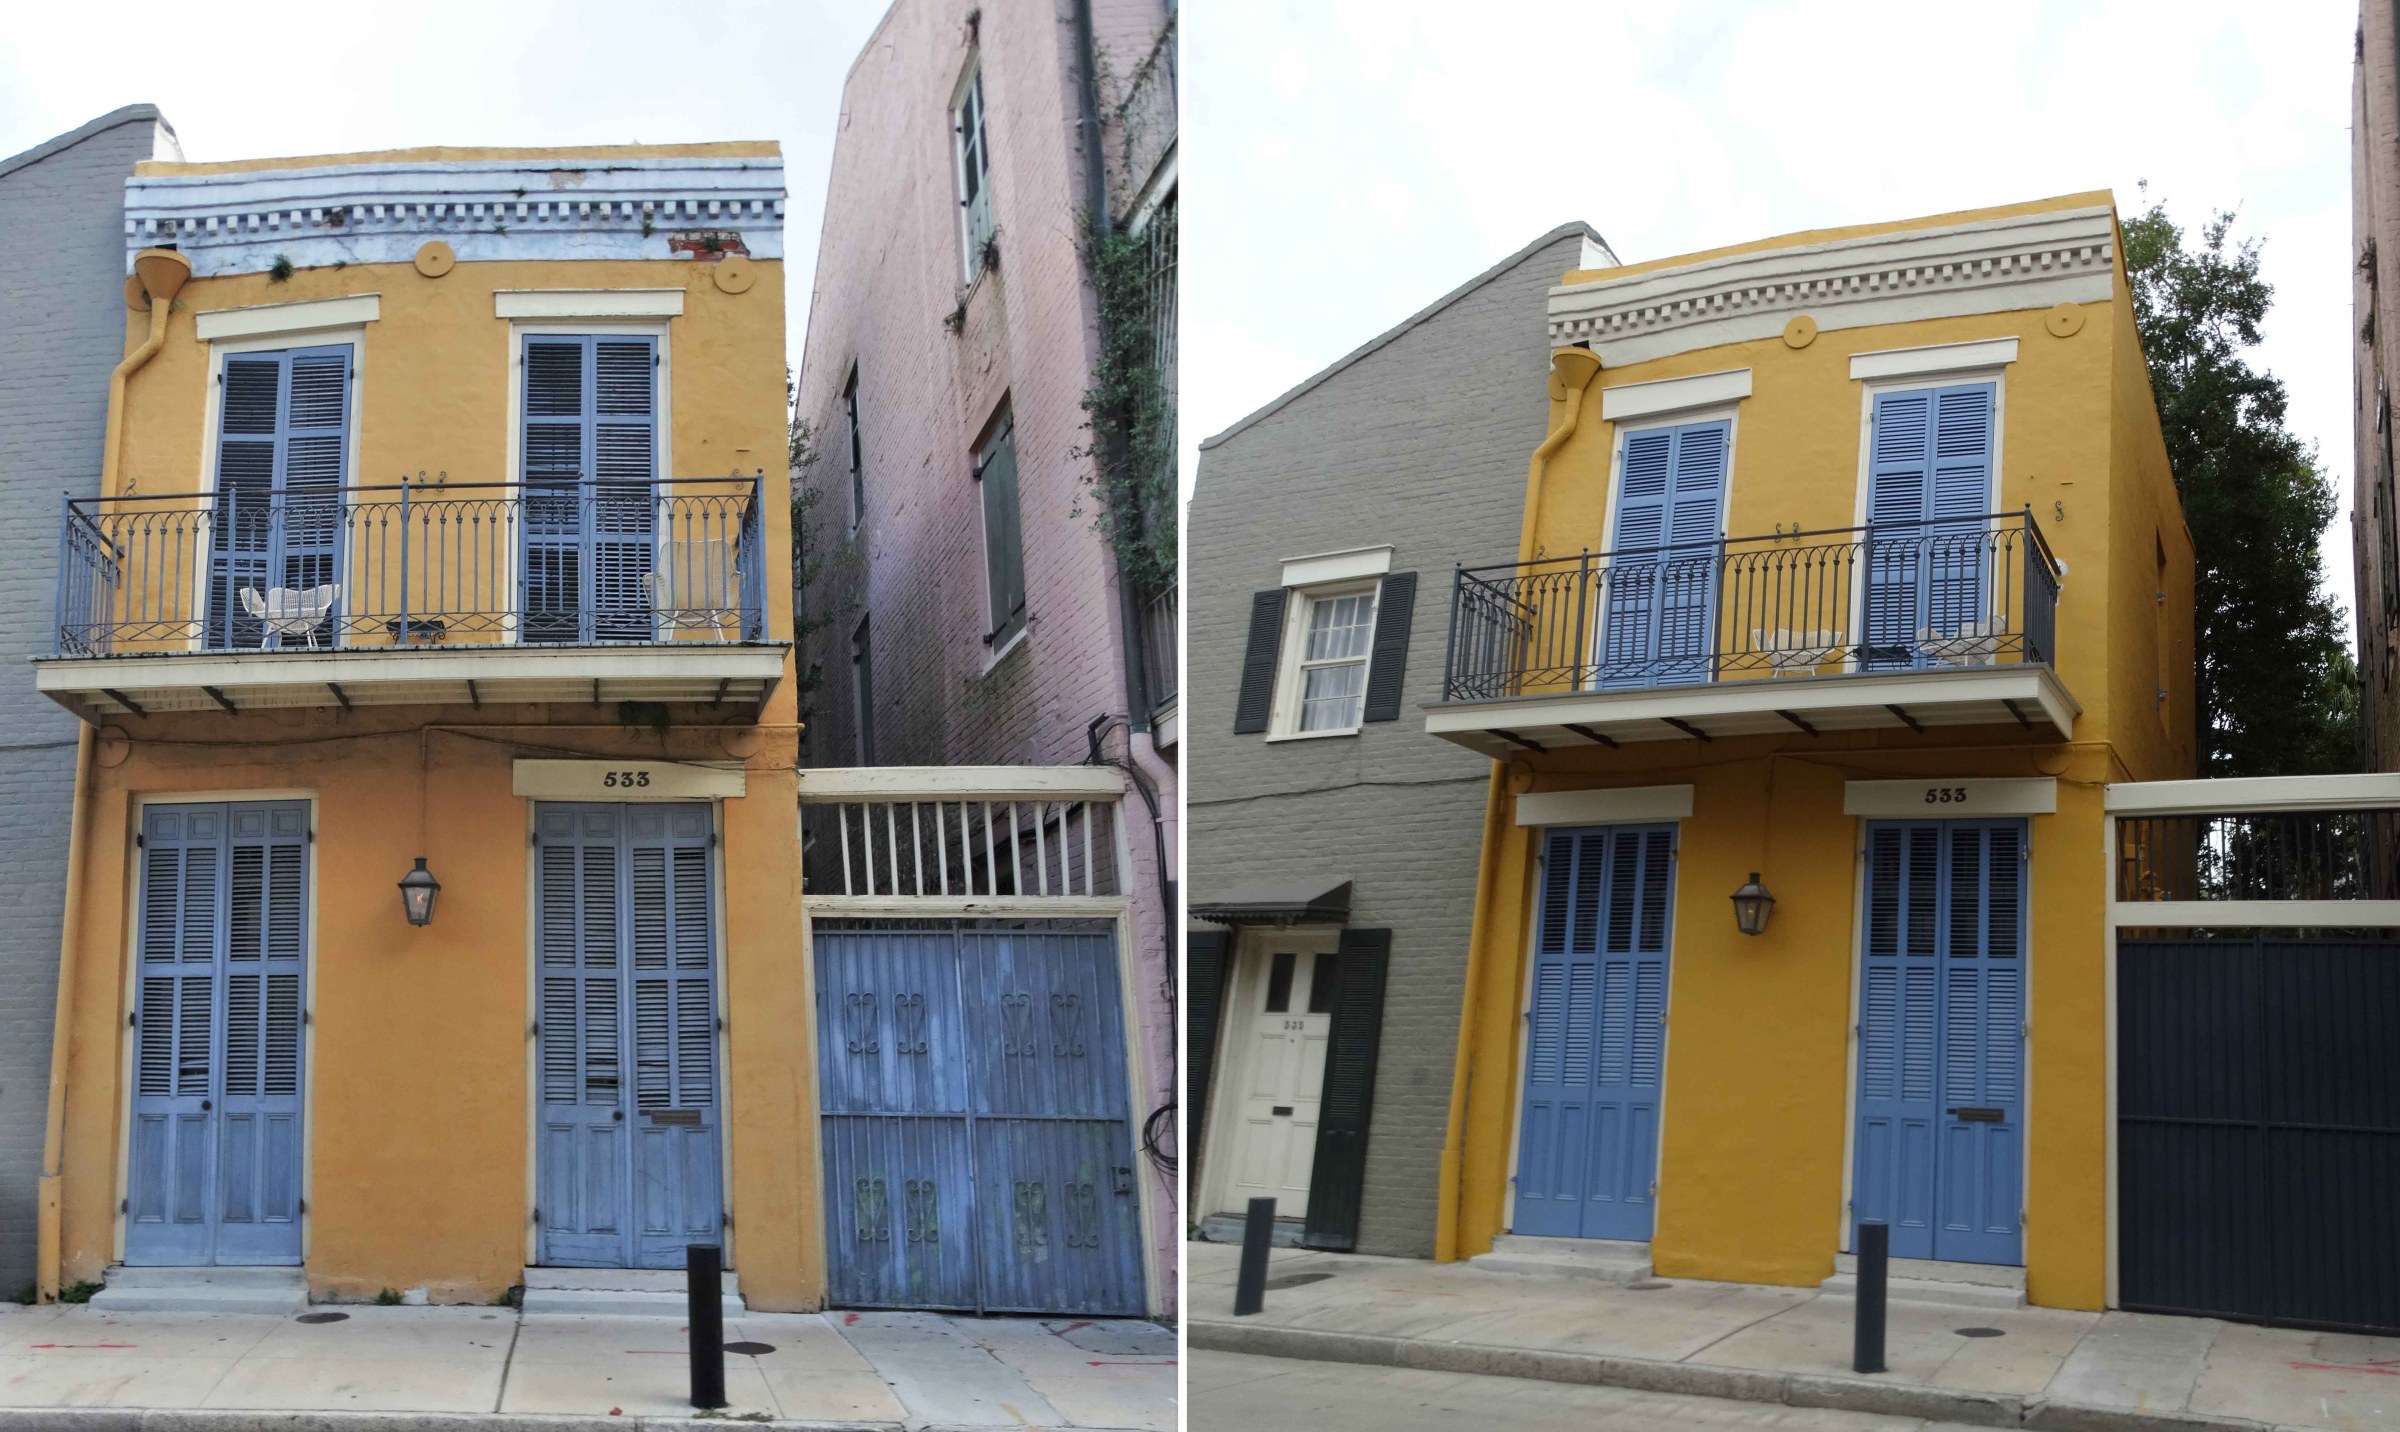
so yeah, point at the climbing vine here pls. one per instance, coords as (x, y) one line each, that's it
(1130, 414)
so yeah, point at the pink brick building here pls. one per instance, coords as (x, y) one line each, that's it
(964, 609)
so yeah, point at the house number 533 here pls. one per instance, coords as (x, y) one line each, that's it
(642, 778)
(1945, 795)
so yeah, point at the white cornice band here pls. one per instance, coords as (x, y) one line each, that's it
(1990, 266)
(570, 303)
(511, 209)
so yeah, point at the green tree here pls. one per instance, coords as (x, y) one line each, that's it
(2277, 686)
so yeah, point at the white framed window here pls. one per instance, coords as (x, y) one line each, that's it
(970, 149)
(1329, 638)
(1003, 536)
(858, 457)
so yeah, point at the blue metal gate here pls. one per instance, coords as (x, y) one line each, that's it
(978, 1141)
(1595, 1047)
(1941, 1039)
(629, 1164)
(215, 1168)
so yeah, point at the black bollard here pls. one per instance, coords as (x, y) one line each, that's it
(1874, 1267)
(704, 1286)
(1258, 1231)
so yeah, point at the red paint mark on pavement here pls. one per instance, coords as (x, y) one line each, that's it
(44, 1347)
(849, 1320)
(1071, 1327)
(2380, 1369)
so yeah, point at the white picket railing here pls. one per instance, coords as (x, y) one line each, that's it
(963, 833)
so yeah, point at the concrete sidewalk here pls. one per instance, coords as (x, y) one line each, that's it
(389, 1367)
(2033, 1367)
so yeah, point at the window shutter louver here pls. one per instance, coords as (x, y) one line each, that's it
(1003, 535)
(1387, 671)
(1659, 612)
(1207, 962)
(1337, 1180)
(283, 443)
(1256, 701)
(589, 460)
(1930, 464)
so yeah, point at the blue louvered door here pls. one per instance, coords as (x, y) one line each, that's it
(978, 1145)
(629, 1164)
(1595, 1038)
(1659, 595)
(1929, 478)
(1940, 1134)
(589, 461)
(276, 518)
(215, 1156)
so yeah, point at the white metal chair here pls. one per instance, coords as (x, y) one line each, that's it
(1801, 651)
(1973, 644)
(697, 587)
(290, 611)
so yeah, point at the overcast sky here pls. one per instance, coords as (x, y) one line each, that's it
(253, 81)
(1350, 161)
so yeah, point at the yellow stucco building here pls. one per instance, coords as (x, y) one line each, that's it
(1851, 571)
(443, 527)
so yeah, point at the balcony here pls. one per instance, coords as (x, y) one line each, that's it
(1159, 669)
(413, 593)
(1896, 626)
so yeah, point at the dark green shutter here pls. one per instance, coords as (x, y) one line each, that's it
(1337, 1183)
(1206, 966)
(1387, 671)
(1257, 699)
(1003, 535)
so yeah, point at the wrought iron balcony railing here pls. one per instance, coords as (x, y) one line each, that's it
(1159, 624)
(1957, 592)
(551, 562)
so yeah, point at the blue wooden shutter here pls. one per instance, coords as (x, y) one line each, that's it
(283, 445)
(590, 464)
(676, 1163)
(1899, 1016)
(1659, 615)
(171, 1181)
(259, 1125)
(1929, 475)
(1983, 1018)
(582, 1160)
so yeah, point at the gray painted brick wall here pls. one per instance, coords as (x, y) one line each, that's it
(62, 309)
(1422, 443)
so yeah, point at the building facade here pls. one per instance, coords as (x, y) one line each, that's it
(62, 216)
(1850, 572)
(2375, 501)
(438, 541)
(998, 244)
(1332, 870)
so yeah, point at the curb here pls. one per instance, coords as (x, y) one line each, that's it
(194, 1419)
(1742, 1384)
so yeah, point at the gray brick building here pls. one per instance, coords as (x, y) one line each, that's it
(1333, 843)
(62, 208)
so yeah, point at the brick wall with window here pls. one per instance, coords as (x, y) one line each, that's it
(62, 273)
(1418, 444)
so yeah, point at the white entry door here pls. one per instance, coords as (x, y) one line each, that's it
(1289, 1012)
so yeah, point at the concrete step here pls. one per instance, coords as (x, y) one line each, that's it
(1227, 1228)
(278, 1291)
(1926, 1280)
(1601, 1260)
(617, 1293)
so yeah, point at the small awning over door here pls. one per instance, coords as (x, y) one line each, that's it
(1321, 900)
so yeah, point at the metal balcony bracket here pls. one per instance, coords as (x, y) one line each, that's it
(1687, 728)
(475, 697)
(1908, 720)
(1795, 720)
(221, 699)
(2020, 715)
(1589, 734)
(1516, 740)
(338, 694)
(722, 687)
(123, 700)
